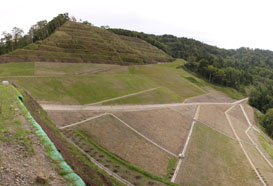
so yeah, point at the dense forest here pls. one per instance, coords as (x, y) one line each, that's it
(41, 30)
(242, 69)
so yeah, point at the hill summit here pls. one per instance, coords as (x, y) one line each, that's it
(77, 42)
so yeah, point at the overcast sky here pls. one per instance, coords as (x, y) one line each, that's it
(224, 23)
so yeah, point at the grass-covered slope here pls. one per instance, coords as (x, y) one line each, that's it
(73, 87)
(76, 42)
(86, 83)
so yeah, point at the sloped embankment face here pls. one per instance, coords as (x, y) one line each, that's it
(23, 159)
(76, 42)
(76, 159)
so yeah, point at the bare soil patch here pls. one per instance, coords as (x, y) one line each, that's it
(214, 159)
(17, 167)
(166, 127)
(214, 116)
(108, 162)
(214, 97)
(250, 113)
(240, 128)
(237, 113)
(239, 122)
(117, 138)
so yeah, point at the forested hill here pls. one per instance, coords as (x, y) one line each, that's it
(247, 70)
(234, 68)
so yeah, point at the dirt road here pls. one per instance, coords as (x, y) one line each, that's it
(120, 107)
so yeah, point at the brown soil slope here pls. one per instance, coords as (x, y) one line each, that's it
(76, 42)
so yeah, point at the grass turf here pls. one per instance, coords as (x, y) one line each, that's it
(57, 82)
(216, 159)
(17, 69)
(266, 145)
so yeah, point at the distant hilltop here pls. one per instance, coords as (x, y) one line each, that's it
(78, 42)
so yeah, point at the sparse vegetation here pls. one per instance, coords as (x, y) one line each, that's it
(11, 129)
(171, 167)
(161, 181)
(216, 159)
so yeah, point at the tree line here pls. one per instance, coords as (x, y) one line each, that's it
(242, 69)
(41, 30)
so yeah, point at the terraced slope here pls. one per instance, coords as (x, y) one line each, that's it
(76, 42)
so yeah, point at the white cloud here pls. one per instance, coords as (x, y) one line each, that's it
(225, 23)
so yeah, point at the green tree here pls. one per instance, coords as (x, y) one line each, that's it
(17, 34)
(268, 122)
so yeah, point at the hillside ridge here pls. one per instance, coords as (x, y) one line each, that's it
(76, 42)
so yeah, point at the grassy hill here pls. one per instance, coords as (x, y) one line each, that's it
(86, 83)
(76, 42)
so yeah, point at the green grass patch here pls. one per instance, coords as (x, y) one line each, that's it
(195, 81)
(231, 92)
(86, 89)
(160, 95)
(168, 76)
(266, 145)
(92, 88)
(171, 165)
(17, 69)
(11, 129)
(203, 83)
(176, 84)
(215, 159)
(53, 68)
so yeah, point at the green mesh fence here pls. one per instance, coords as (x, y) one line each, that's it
(72, 178)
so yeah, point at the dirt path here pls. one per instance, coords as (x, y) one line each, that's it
(83, 121)
(125, 96)
(185, 146)
(121, 107)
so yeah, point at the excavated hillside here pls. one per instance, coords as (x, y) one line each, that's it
(76, 42)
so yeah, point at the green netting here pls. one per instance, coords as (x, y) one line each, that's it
(66, 171)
